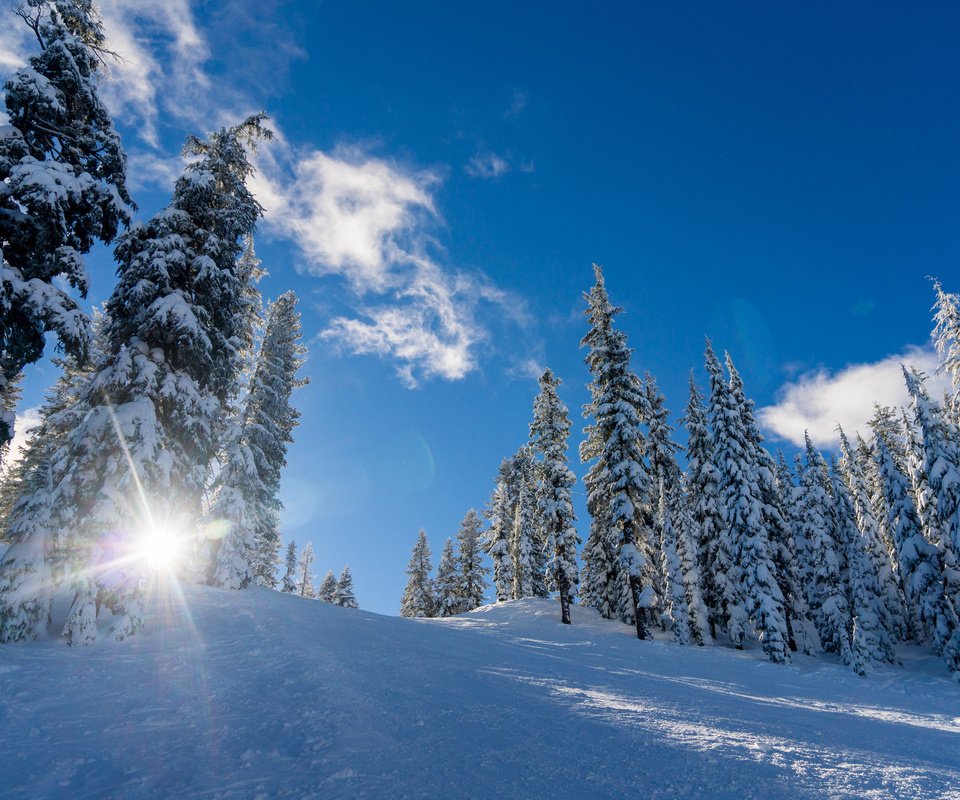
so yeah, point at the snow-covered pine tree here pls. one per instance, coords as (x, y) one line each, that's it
(549, 432)
(946, 336)
(470, 566)
(418, 596)
(328, 588)
(305, 571)
(938, 478)
(821, 556)
(137, 465)
(343, 595)
(447, 584)
(289, 582)
(881, 567)
(247, 489)
(676, 611)
(933, 617)
(496, 540)
(702, 481)
(868, 637)
(524, 535)
(752, 596)
(618, 483)
(62, 187)
(686, 530)
(33, 563)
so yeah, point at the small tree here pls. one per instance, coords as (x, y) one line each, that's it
(473, 582)
(418, 595)
(343, 595)
(305, 571)
(289, 582)
(448, 582)
(328, 588)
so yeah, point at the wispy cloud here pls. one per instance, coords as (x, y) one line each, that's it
(369, 220)
(519, 100)
(487, 165)
(818, 400)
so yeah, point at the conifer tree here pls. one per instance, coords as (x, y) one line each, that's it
(676, 610)
(470, 566)
(497, 539)
(343, 595)
(933, 617)
(447, 598)
(248, 486)
(697, 616)
(946, 336)
(305, 571)
(549, 432)
(702, 482)
(62, 188)
(751, 593)
(618, 483)
(523, 540)
(327, 590)
(418, 596)
(289, 582)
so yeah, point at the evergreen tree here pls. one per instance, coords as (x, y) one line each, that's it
(248, 486)
(751, 593)
(305, 571)
(496, 540)
(327, 590)
(676, 610)
(524, 538)
(470, 567)
(686, 529)
(138, 462)
(418, 595)
(933, 615)
(447, 599)
(549, 432)
(289, 582)
(946, 335)
(343, 595)
(702, 482)
(618, 483)
(62, 188)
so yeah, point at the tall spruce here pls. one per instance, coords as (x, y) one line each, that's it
(139, 460)
(497, 539)
(549, 432)
(447, 584)
(618, 482)
(946, 336)
(470, 566)
(62, 187)
(676, 611)
(524, 539)
(418, 596)
(702, 482)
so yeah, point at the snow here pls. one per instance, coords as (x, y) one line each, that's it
(262, 694)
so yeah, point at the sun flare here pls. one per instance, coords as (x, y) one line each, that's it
(160, 548)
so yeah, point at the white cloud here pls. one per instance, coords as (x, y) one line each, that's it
(368, 220)
(26, 419)
(818, 400)
(487, 165)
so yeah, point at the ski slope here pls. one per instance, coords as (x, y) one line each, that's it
(258, 694)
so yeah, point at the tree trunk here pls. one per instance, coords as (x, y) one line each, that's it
(564, 588)
(636, 585)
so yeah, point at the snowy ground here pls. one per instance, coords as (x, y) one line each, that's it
(246, 694)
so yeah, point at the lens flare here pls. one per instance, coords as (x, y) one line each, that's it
(159, 548)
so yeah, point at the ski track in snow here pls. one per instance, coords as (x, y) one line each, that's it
(257, 694)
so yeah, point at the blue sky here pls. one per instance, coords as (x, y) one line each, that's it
(781, 178)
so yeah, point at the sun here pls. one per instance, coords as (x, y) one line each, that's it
(159, 547)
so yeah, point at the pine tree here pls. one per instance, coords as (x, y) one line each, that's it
(305, 571)
(676, 611)
(496, 540)
(289, 582)
(343, 595)
(702, 482)
(139, 460)
(470, 567)
(946, 335)
(618, 484)
(933, 615)
(418, 595)
(686, 528)
(549, 432)
(327, 590)
(248, 486)
(751, 593)
(447, 599)
(62, 188)
(524, 536)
